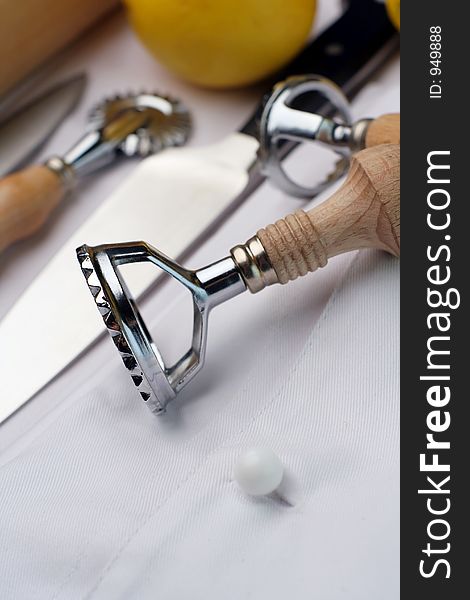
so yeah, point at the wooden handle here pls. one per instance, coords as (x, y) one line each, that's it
(363, 213)
(383, 130)
(26, 200)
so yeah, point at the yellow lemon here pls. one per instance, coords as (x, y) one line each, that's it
(393, 9)
(222, 43)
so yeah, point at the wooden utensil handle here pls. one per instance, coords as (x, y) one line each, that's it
(26, 200)
(363, 213)
(383, 130)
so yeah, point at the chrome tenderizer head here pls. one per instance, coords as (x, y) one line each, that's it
(156, 382)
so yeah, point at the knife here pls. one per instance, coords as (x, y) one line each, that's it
(202, 184)
(26, 130)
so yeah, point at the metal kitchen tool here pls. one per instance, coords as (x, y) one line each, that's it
(23, 132)
(280, 122)
(174, 198)
(134, 125)
(364, 213)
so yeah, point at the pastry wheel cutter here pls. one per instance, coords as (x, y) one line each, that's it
(130, 125)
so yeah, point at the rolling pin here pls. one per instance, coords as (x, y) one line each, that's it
(31, 31)
(363, 213)
(28, 197)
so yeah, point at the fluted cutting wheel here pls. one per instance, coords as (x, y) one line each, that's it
(167, 123)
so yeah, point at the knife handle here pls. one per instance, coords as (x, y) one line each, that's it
(26, 200)
(383, 130)
(363, 213)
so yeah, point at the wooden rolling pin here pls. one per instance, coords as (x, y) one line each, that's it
(363, 213)
(28, 197)
(31, 31)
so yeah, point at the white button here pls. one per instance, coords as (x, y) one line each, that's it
(259, 471)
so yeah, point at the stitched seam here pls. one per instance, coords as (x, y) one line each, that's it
(37, 432)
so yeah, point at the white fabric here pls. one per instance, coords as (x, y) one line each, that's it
(108, 502)
(99, 499)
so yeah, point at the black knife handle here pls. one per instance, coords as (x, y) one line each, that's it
(348, 52)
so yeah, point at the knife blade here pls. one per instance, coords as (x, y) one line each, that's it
(171, 200)
(29, 128)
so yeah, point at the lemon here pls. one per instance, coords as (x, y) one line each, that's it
(393, 10)
(222, 43)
